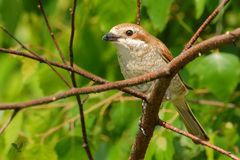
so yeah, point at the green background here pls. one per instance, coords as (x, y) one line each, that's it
(49, 132)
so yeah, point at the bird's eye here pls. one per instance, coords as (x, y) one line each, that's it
(129, 32)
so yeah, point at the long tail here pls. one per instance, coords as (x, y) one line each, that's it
(190, 121)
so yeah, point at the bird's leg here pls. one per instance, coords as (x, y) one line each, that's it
(144, 104)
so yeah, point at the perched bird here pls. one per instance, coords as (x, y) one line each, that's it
(138, 53)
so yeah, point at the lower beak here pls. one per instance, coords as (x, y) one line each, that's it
(110, 37)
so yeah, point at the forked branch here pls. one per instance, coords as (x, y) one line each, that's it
(196, 139)
(170, 69)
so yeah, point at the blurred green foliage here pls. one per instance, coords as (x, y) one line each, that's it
(47, 131)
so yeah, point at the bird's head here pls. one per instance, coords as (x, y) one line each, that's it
(133, 38)
(128, 35)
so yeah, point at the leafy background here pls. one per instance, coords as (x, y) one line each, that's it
(53, 131)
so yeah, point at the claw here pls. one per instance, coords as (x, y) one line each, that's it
(144, 104)
(141, 128)
(143, 131)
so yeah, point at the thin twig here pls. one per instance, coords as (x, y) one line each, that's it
(205, 24)
(196, 139)
(40, 6)
(80, 105)
(35, 54)
(6, 124)
(214, 103)
(170, 69)
(141, 141)
(138, 12)
(85, 145)
(56, 128)
(71, 55)
(109, 100)
(74, 69)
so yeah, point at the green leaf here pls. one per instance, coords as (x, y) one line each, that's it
(40, 120)
(124, 142)
(161, 146)
(31, 6)
(101, 152)
(219, 73)
(121, 116)
(70, 148)
(114, 12)
(29, 67)
(158, 11)
(150, 151)
(8, 65)
(17, 150)
(164, 146)
(199, 5)
(211, 5)
(11, 11)
(12, 131)
(210, 151)
(38, 152)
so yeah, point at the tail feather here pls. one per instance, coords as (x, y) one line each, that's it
(190, 121)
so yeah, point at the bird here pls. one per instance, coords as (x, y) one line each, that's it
(139, 53)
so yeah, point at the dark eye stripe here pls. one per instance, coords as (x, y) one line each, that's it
(129, 32)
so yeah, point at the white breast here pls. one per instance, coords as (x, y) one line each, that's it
(140, 59)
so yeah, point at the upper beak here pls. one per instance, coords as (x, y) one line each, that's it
(110, 37)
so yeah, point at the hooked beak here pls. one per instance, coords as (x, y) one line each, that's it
(110, 37)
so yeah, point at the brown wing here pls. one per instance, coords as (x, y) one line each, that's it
(148, 38)
(165, 51)
(168, 57)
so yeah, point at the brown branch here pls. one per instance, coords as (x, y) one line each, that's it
(74, 69)
(151, 113)
(35, 55)
(72, 92)
(40, 6)
(71, 56)
(80, 105)
(170, 69)
(141, 141)
(214, 42)
(149, 119)
(205, 24)
(85, 145)
(138, 12)
(196, 139)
